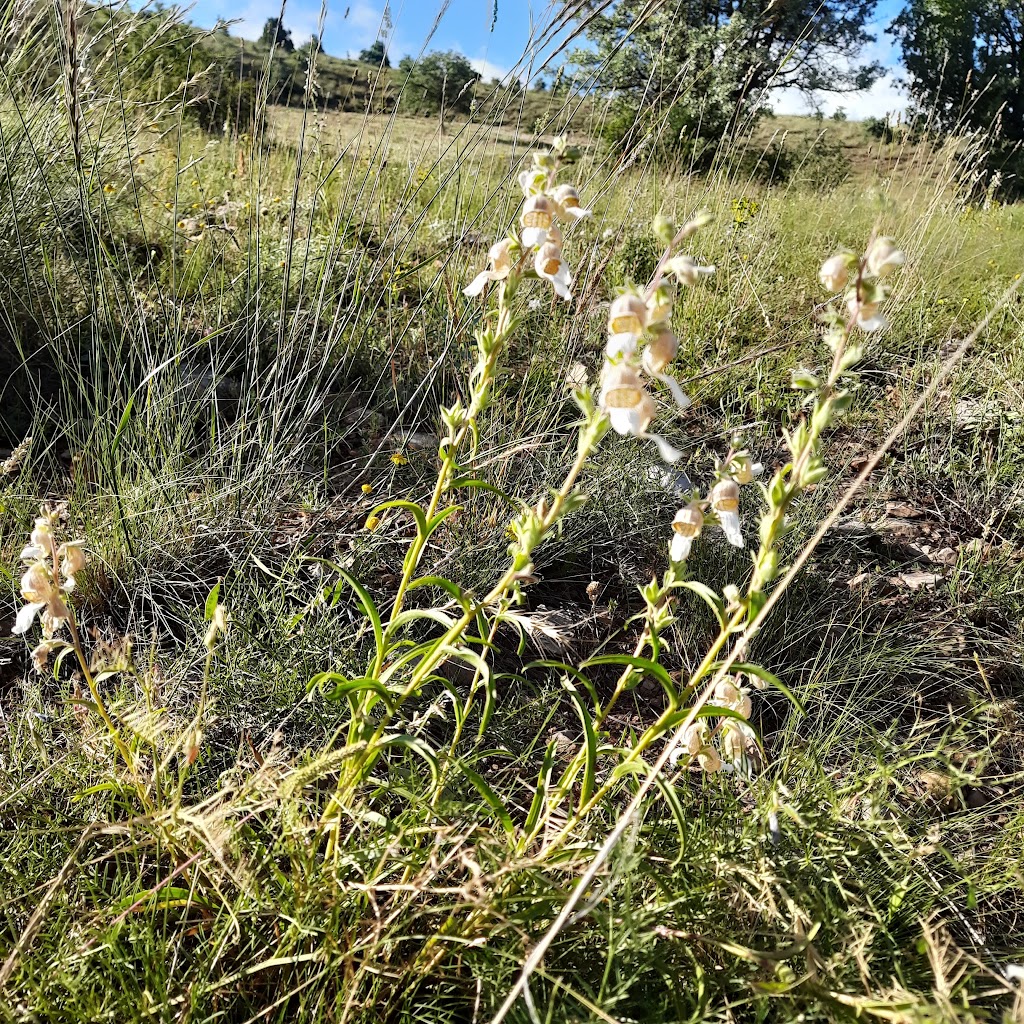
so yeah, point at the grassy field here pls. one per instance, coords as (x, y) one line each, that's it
(256, 787)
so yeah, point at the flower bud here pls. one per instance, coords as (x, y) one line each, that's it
(686, 270)
(664, 229)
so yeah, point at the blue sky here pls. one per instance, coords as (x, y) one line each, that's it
(495, 46)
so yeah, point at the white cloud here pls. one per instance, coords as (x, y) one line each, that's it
(884, 97)
(488, 69)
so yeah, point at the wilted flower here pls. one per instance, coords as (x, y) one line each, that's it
(725, 501)
(567, 203)
(835, 271)
(549, 264)
(686, 528)
(500, 255)
(686, 270)
(537, 217)
(883, 257)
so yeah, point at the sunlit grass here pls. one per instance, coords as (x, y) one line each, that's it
(218, 344)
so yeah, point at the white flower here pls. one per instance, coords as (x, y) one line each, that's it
(883, 257)
(537, 217)
(42, 598)
(867, 314)
(657, 355)
(567, 201)
(72, 561)
(743, 469)
(729, 695)
(695, 743)
(532, 181)
(40, 541)
(725, 501)
(686, 270)
(627, 318)
(660, 351)
(500, 255)
(737, 739)
(626, 401)
(686, 528)
(659, 305)
(629, 406)
(549, 264)
(835, 271)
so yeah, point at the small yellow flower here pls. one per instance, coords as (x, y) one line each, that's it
(110, 188)
(373, 522)
(367, 488)
(399, 459)
(195, 183)
(141, 161)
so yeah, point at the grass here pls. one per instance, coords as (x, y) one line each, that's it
(215, 354)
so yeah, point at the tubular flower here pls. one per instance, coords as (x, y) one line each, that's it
(500, 255)
(627, 319)
(695, 743)
(729, 695)
(659, 305)
(537, 217)
(630, 408)
(660, 352)
(867, 314)
(567, 203)
(532, 181)
(744, 470)
(626, 401)
(725, 501)
(40, 541)
(686, 529)
(42, 597)
(686, 270)
(549, 264)
(883, 257)
(835, 271)
(657, 355)
(72, 558)
(738, 741)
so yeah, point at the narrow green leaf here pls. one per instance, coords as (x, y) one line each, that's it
(492, 799)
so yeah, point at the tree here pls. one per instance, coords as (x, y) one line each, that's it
(275, 34)
(701, 65)
(439, 81)
(965, 61)
(377, 55)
